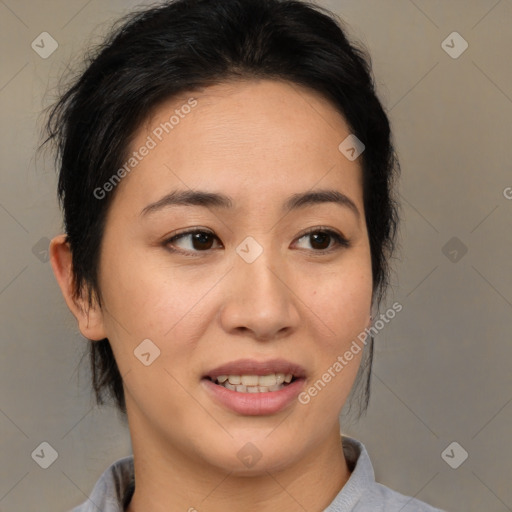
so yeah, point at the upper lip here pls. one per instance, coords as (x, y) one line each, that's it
(253, 367)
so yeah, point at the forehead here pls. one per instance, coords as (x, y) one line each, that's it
(250, 139)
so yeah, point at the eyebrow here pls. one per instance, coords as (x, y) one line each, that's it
(222, 201)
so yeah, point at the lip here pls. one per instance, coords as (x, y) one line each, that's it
(254, 404)
(253, 367)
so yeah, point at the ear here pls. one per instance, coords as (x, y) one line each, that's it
(90, 319)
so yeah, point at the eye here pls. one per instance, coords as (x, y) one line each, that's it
(320, 239)
(202, 240)
(195, 240)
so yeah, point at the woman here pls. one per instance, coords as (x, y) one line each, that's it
(226, 176)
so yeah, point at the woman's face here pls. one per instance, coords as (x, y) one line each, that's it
(254, 286)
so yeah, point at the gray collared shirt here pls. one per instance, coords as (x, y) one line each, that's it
(361, 493)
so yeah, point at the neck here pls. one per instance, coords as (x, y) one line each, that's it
(172, 482)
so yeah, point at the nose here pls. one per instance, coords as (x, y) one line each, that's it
(260, 300)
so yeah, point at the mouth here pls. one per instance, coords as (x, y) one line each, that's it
(250, 387)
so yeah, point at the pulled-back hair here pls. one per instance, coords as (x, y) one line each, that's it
(155, 54)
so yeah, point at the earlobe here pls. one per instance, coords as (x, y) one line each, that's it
(90, 319)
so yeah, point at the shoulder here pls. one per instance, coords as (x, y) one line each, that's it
(113, 488)
(361, 493)
(380, 498)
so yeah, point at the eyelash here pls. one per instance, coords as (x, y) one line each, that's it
(340, 240)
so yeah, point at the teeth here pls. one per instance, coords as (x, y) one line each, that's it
(254, 383)
(250, 380)
(255, 380)
(267, 380)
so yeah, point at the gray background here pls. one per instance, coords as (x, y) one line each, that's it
(442, 366)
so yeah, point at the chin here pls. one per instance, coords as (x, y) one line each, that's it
(254, 453)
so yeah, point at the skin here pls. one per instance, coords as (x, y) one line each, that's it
(258, 142)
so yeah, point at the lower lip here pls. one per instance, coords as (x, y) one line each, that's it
(255, 404)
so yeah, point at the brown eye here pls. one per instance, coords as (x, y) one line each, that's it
(192, 241)
(320, 239)
(202, 241)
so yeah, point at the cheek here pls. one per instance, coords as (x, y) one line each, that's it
(146, 299)
(341, 303)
